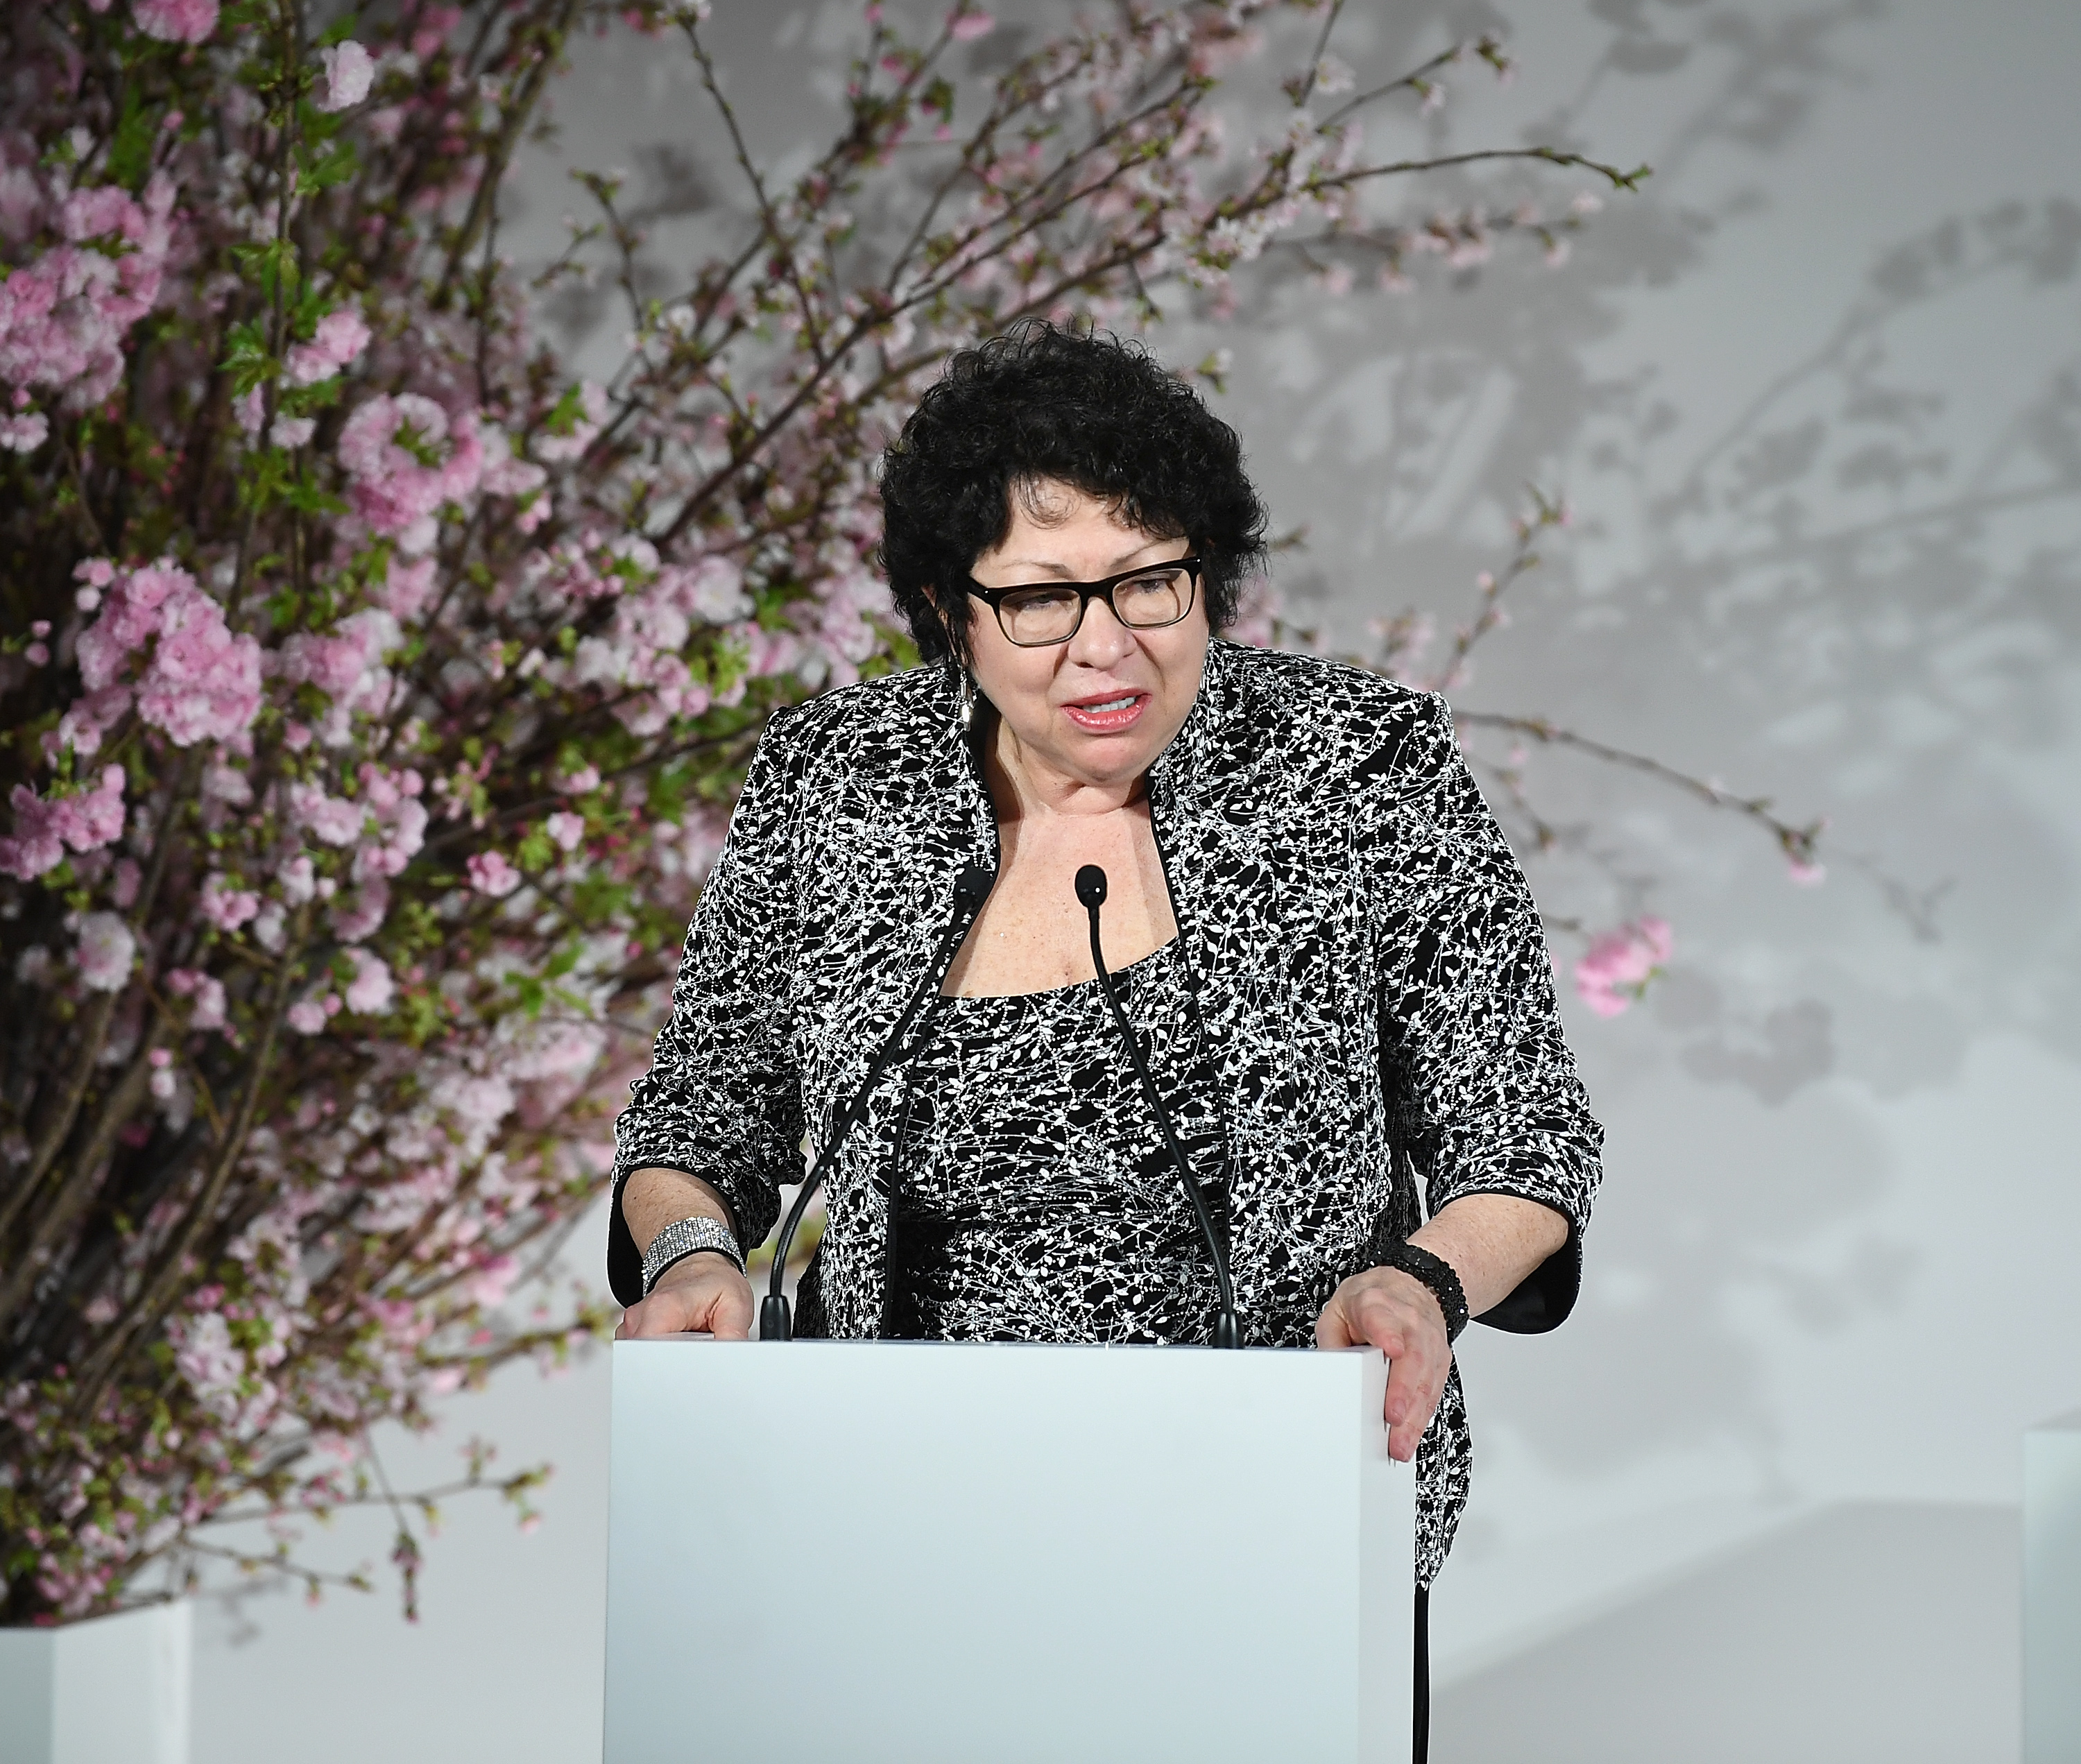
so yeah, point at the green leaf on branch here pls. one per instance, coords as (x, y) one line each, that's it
(600, 899)
(337, 165)
(303, 494)
(271, 265)
(246, 357)
(130, 150)
(567, 413)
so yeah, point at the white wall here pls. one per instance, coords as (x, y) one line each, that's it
(1816, 396)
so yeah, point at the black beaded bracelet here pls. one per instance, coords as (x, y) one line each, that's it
(1436, 1273)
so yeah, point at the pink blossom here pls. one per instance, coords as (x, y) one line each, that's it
(226, 784)
(966, 27)
(363, 916)
(36, 844)
(204, 683)
(87, 719)
(86, 822)
(333, 819)
(95, 819)
(65, 315)
(491, 874)
(349, 72)
(206, 1357)
(401, 818)
(24, 434)
(370, 991)
(582, 428)
(108, 949)
(177, 21)
(348, 666)
(205, 989)
(1806, 873)
(505, 475)
(479, 1104)
(404, 466)
(201, 683)
(290, 433)
(341, 335)
(407, 587)
(307, 1016)
(1614, 972)
(224, 905)
(567, 830)
(299, 880)
(489, 1284)
(269, 930)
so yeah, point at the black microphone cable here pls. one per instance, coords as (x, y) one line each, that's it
(1091, 891)
(971, 889)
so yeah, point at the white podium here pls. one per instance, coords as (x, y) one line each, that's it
(2052, 1592)
(840, 1552)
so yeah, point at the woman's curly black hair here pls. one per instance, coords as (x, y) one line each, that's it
(1044, 403)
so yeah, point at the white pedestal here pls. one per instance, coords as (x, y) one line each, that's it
(2052, 1592)
(111, 1691)
(922, 1553)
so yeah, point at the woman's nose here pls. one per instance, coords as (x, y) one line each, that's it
(1101, 640)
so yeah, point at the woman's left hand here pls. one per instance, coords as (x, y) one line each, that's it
(1392, 1311)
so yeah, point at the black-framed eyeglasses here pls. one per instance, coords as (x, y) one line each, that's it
(1144, 599)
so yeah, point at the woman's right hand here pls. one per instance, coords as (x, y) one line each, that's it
(702, 1292)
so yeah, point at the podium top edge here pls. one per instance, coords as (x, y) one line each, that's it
(999, 1347)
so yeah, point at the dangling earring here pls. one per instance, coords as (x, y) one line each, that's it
(968, 699)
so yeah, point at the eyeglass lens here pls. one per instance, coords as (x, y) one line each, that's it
(1038, 615)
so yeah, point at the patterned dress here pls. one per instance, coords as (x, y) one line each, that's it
(1370, 1030)
(1033, 1197)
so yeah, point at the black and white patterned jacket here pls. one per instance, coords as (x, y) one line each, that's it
(1376, 994)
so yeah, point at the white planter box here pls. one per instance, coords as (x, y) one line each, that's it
(111, 1690)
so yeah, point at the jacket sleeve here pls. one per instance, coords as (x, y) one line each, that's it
(1482, 1085)
(723, 1099)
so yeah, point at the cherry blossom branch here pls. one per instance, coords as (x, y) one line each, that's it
(1492, 586)
(159, 1289)
(543, 35)
(1798, 842)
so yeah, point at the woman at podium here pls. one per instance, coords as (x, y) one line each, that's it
(1349, 1114)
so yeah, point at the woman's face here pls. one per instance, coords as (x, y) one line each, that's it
(1097, 709)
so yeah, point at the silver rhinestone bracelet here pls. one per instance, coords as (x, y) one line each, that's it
(685, 1238)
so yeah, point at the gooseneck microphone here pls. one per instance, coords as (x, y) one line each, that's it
(1091, 891)
(971, 889)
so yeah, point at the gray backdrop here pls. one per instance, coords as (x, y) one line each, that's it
(1816, 395)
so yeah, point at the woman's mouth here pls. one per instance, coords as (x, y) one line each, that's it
(1110, 715)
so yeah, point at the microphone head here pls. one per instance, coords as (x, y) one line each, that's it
(972, 886)
(1091, 885)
